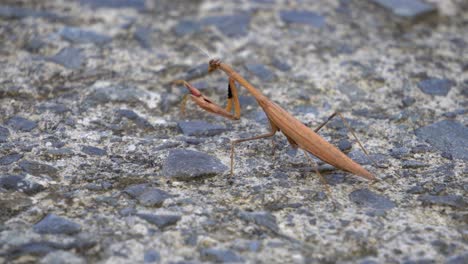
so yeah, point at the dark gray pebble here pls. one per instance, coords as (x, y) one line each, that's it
(37, 169)
(184, 164)
(303, 17)
(186, 27)
(34, 44)
(58, 153)
(447, 136)
(22, 124)
(359, 157)
(418, 189)
(305, 109)
(136, 4)
(18, 183)
(236, 25)
(334, 178)
(153, 197)
(446, 155)
(319, 196)
(151, 256)
(12, 12)
(10, 158)
(161, 221)
(114, 93)
(408, 101)
(400, 152)
(421, 148)
(355, 93)
(264, 219)
(218, 255)
(54, 224)
(131, 115)
(458, 259)
(78, 35)
(369, 199)
(54, 141)
(200, 128)
(195, 72)
(54, 108)
(407, 8)
(4, 134)
(435, 86)
(413, 164)
(344, 145)
(127, 211)
(93, 151)
(36, 248)
(68, 57)
(135, 190)
(143, 36)
(447, 200)
(419, 261)
(261, 71)
(376, 114)
(281, 65)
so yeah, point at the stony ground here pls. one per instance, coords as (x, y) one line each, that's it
(97, 163)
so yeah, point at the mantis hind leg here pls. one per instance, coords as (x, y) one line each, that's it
(350, 129)
(315, 166)
(272, 132)
(237, 141)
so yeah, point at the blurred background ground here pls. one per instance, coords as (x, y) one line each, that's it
(97, 164)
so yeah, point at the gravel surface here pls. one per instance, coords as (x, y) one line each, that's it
(98, 164)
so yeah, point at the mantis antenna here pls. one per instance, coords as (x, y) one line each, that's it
(202, 51)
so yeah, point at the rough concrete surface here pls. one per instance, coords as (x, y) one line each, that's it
(93, 144)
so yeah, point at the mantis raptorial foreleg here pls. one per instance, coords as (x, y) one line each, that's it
(233, 98)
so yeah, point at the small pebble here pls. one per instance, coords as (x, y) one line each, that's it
(448, 136)
(37, 169)
(4, 134)
(54, 224)
(264, 219)
(161, 221)
(303, 17)
(151, 256)
(187, 165)
(369, 199)
(407, 8)
(93, 151)
(19, 183)
(136, 4)
(143, 36)
(236, 25)
(78, 35)
(200, 128)
(413, 164)
(10, 158)
(435, 86)
(456, 201)
(69, 58)
(261, 71)
(153, 197)
(218, 255)
(21, 124)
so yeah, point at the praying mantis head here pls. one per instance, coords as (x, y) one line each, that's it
(213, 65)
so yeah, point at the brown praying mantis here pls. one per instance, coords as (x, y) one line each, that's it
(297, 134)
